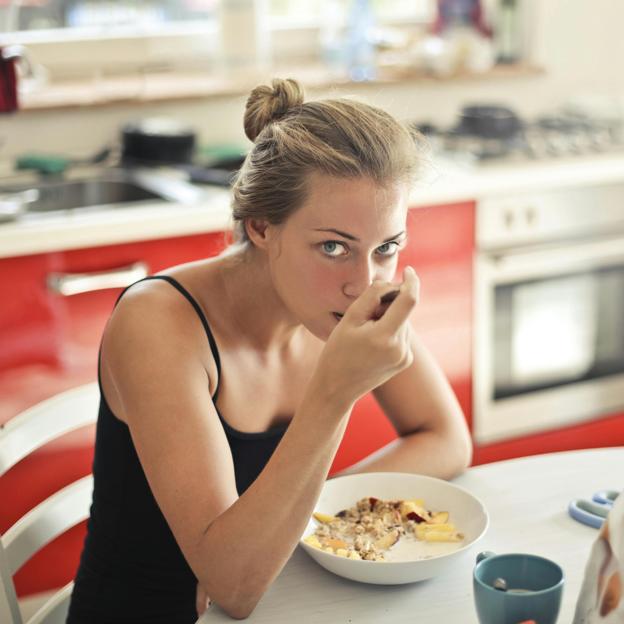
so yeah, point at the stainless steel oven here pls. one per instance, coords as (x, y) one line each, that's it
(549, 316)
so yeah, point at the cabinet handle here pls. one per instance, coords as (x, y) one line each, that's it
(67, 284)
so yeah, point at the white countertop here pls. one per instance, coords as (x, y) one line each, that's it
(442, 182)
(527, 501)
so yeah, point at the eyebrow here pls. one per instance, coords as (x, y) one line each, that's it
(354, 238)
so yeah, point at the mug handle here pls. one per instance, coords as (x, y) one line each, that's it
(484, 555)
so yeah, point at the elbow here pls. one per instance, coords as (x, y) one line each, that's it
(238, 613)
(238, 610)
(463, 450)
(240, 603)
(458, 445)
(465, 461)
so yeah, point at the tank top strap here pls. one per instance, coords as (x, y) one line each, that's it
(187, 295)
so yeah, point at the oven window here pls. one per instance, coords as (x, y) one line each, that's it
(557, 331)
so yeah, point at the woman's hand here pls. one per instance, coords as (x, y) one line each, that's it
(371, 342)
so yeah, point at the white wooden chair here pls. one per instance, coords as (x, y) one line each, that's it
(22, 435)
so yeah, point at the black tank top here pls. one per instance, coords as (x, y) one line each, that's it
(131, 568)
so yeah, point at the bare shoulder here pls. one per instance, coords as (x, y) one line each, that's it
(151, 315)
(150, 303)
(154, 342)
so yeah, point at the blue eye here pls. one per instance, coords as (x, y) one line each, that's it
(388, 249)
(333, 248)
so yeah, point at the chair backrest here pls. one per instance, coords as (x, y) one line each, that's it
(21, 436)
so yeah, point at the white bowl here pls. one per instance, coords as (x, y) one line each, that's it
(409, 560)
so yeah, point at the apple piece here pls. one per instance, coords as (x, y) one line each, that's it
(407, 506)
(439, 517)
(389, 539)
(421, 529)
(441, 536)
(324, 518)
(335, 543)
(412, 507)
(312, 540)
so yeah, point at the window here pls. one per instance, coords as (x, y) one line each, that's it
(30, 15)
(140, 15)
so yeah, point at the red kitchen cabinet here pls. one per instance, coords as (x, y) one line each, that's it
(49, 343)
(607, 431)
(440, 248)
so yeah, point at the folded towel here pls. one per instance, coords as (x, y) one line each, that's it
(601, 600)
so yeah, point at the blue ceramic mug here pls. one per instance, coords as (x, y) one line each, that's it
(534, 587)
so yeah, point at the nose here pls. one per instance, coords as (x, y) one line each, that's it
(359, 278)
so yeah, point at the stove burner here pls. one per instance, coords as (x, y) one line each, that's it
(547, 136)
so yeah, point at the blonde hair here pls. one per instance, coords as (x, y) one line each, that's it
(292, 138)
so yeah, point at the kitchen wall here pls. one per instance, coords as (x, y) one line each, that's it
(578, 44)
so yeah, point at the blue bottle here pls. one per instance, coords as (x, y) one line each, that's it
(360, 45)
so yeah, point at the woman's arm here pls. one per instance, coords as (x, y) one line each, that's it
(433, 436)
(235, 545)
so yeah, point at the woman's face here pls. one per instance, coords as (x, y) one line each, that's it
(346, 235)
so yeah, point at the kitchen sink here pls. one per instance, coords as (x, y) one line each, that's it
(112, 189)
(86, 193)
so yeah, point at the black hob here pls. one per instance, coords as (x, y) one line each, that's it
(545, 137)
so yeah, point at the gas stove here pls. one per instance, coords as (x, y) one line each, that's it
(552, 136)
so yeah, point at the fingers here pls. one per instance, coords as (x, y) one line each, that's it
(365, 306)
(400, 309)
(384, 303)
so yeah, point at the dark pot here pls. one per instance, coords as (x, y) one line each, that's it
(157, 141)
(489, 122)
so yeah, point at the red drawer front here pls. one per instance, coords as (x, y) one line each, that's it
(50, 342)
(608, 431)
(28, 314)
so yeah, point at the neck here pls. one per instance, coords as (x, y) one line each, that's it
(253, 305)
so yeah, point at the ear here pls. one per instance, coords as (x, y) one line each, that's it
(258, 232)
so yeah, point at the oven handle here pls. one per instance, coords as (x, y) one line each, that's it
(539, 263)
(67, 284)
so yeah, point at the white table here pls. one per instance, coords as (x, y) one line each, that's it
(527, 501)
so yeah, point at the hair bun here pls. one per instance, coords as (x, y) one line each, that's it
(266, 104)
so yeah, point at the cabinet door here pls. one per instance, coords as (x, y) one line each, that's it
(50, 343)
(27, 315)
(440, 248)
(50, 340)
(607, 431)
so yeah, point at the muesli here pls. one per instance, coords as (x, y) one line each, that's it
(372, 526)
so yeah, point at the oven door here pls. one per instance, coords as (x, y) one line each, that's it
(549, 338)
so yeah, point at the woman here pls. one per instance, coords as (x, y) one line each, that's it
(227, 383)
